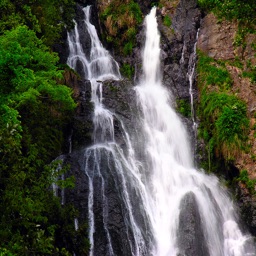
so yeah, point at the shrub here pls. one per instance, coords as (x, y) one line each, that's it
(127, 70)
(223, 115)
(184, 107)
(121, 18)
(250, 184)
(167, 21)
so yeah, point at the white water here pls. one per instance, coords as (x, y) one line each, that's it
(172, 174)
(191, 73)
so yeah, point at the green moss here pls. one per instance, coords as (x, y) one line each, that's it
(213, 72)
(167, 21)
(127, 70)
(250, 184)
(250, 72)
(184, 107)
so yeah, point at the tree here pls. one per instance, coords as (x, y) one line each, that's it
(34, 110)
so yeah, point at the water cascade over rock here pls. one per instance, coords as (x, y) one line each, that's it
(172, 178)
(145, 199)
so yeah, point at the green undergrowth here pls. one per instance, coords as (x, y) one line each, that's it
(121, 20)
(184, 107)
(36, 109)
(224, 124)
(127, 70)
(239, 10)
(244, 178)
(167, 21)
(48, 18)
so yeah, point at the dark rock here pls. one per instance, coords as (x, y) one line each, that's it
(191, 238)
(247, 206)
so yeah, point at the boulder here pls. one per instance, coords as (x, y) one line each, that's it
(191, 238)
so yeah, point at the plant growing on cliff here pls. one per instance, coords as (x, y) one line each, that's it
(243, 12)
(121, 19)
(250, 184)
(167, 21)
(223, 115)
(127, 70)
(184, 107)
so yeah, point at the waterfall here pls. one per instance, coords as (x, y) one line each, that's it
(165, 206)
(105, 157)
(176, 191)
(191, 73)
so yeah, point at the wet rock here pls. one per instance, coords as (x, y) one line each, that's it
(191, 238)
(247, 206)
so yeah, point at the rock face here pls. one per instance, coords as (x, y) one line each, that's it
(191, 240)
(178, 48)
(216, 39)
(247, 206)
(101, 169)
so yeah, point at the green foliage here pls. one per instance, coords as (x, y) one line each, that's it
(46, 17)
(127, 70)
(5, 252)
(127, 50)
(243, 11)
(213, 72)
(250, 71)
(184, 107)
(121, 19)
(250, 184)
(224, 121)
(34, 110)
(167, 21)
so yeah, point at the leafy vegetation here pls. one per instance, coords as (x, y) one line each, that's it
(167, 21)
(250, 184)
(184, 107)
(224, 121)
(127, 70)
(35, 110)
(46, 17)
(240, 10)
(121, 19)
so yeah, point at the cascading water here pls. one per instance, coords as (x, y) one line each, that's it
(191, 73)
(174, 187)
(168, 208)
(105, 157)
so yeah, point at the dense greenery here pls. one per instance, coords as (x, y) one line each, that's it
(35, 110)
(46, 17)
(224, 121)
